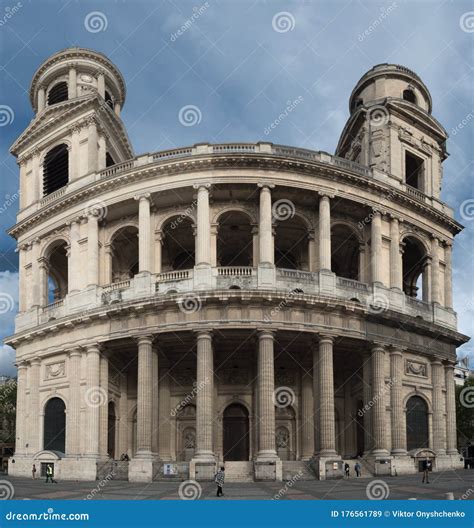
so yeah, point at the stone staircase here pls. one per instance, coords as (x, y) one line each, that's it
(297, 470)
(239, 471)
(112, 470)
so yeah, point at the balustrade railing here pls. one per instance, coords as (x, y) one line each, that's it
(114, 286)
(53, 196)
(173, 275)
(351, 283)
(233, 271)
(297, 274)
(53, 306)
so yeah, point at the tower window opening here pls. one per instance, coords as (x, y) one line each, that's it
(109, 100)
(409, 95)
(109, 161)
(413, 171)
(58, 93)
(55, 169)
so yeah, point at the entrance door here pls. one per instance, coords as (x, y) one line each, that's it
(236, 433)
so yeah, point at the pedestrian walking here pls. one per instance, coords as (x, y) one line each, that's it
(219, 480)
(357, 469)
(426, 466)
(33, 472)
(346, 469)
(50, 474)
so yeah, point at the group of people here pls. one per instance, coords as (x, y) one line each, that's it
(357, 468)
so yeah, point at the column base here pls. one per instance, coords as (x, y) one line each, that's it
(203, 468)
(327, 282)
(327, 467)
(398, 452)
(266, 275)
(140, 469)
(202, 276)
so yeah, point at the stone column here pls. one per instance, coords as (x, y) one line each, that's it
(73, 433)
(33, 410)
(451, 440)
(92, 148)
(144, 233)
(22, 302)
(104, 409)
(376, 247)
(144, 397)
(93, 249)
(74, 256)
(397, 414)
(324, 233)
(155, 402)
(265, 228)
(396, 274)
(448, 275)
(378, 400)
(367, 396)
(20, 431)
(92, 401)
(439, 429)
(204, 396)
(124, 446)
(203, 234)
(266, 392)
(41, 98)
(43, 271)
(72, 84)
(316, 400)
(158, 250)
(101, 84)
(117, 109)
(435, 289)
(35, 272)
(74, 153)
(164, 428)
(307, 412)
(326, 397)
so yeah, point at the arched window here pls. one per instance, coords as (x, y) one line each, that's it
(234, 240)
(54, 437)
(417, 423)
(291, 244)
(178, 244)
(57, 272)
(55, 169)
(345, 252)
(109, 100)
(58, 93)
(409, 95)
(414, 265)
(124, 254)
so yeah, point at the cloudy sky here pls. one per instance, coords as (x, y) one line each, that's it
(240, 62)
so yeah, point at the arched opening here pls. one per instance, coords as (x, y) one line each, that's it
(236, 433)
(234, 240)
(414, 265)
(417, 423)
(186, 431)
(345, 252)
(111, 422)
(54, 435)
(409, 95)
(57, 272)
(109, 161)
(124, 246)
(58, 93)
(292, 244)
(109, 100)
(55, 169)
(178, 244)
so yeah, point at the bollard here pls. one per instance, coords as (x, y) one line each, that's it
(449, 496)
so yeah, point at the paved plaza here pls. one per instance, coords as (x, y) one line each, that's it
(460, 483)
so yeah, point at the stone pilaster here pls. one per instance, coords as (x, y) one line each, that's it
(266, 243)
(104, 408)
(164, 428)
(397, 414)
(41, 99)
(92, 146)
(435, 275)
(324, 233)
(72, 84)
(93, 249)
(439, 425)
(73, 433)
(307, 412)
(448, 275)
(92, 399)
(367, 396)
(34, 443)
(144, 233)
(20, 431)
(203, 228)
(74, 256)
(378, 400)
(376, 246)
(155, 401)
(144, 397)
(396, 279)
(450, 410)
(316, 400)
(327, 435)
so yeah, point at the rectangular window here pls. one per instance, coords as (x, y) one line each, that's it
(413, 171)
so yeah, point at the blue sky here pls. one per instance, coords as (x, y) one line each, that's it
(240, 62)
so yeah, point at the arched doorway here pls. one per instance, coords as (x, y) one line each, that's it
(124, 253)
(417, 423)
(177, 244)
(54, 436)
(111, 430)
(236, 433)
(415, 269)
(345, 252)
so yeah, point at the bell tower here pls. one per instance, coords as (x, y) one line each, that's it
(77, 95)
(391, 130)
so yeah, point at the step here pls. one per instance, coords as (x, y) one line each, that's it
(239, 471)
(365, 468)
(297, 470)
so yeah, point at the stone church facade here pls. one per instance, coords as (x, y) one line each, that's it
(276, 309)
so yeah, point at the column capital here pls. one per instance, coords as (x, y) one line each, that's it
(397, 350)
(21, 365)
(204, 185)
(325, 338)
(142, 196)
(35, 361)
(437, 362)
(325, 194)
(377, 346)
(144, 339)
(203, 334)
(266, 185)
(75, 352)
(94, 348)
(264, 333)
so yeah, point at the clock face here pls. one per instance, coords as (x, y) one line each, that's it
(86, 78)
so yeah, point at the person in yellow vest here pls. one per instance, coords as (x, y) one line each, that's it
(50, 474)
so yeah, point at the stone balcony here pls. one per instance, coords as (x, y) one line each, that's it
(375, 298)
